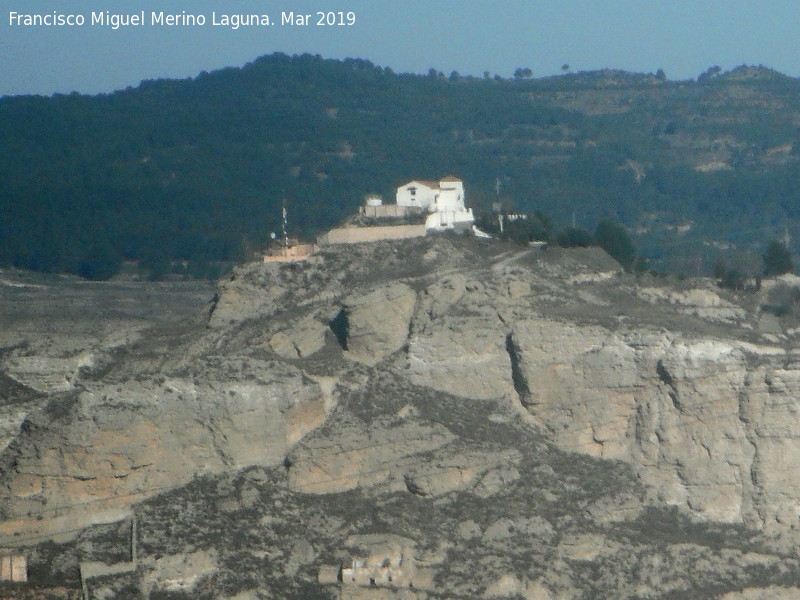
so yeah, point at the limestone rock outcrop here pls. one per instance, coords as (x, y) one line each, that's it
(707, 423)
(301, 340)
(702, 409)
(103, 448)
(47, 374)
(526, 417)
(462, 355)
(350, 458)
(377, 322)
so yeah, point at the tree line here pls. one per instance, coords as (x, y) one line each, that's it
(192, 173)
(609, 235)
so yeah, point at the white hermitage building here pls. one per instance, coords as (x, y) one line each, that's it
(439, 203)
(443, 200)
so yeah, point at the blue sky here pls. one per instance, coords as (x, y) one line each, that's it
(682, 37)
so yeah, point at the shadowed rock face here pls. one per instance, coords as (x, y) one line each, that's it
(433, 371)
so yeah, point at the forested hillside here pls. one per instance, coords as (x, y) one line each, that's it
(195, 170)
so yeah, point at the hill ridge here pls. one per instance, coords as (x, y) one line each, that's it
(180, 174)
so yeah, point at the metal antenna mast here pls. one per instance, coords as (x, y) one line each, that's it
(285, 225)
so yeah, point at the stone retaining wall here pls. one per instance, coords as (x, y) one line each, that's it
(357, 235)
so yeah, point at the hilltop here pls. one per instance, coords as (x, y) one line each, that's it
(471, 418)
(182, 175)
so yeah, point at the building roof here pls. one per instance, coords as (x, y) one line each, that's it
(431, 184)
(434, 185)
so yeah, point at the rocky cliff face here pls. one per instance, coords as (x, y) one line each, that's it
(678, 383)
(699, 419)
(450, 371)
(110, 445)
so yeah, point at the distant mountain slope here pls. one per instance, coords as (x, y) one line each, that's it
(195, 170)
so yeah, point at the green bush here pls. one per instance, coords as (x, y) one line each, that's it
(574, 237)
(777, 259)
(614, 239)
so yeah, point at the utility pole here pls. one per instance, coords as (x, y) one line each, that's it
(500, 215)
(285, 225)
